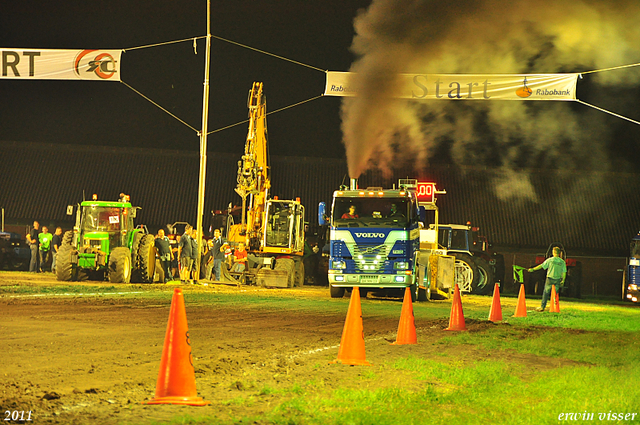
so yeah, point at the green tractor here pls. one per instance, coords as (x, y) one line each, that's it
(105, 242)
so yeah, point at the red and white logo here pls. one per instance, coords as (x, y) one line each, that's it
(95, 65)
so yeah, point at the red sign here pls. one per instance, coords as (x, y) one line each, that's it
(426, 192)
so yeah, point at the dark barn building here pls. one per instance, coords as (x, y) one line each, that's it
(592, 214)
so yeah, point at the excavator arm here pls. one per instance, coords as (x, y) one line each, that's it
(254, 180)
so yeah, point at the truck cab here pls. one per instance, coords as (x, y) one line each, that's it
(374, 238)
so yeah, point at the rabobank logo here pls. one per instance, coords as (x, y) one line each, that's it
(524, 91)
(370, 235)
(342, 89)
(547, 89)
(553, 92)
(95, 65)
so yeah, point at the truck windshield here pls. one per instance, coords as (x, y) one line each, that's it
(101, 219)
(372, 212)
(635, 249)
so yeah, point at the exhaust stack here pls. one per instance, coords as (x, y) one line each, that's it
(353, 184)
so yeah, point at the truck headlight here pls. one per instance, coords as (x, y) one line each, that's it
(399, 279)
(401, 265)
(338, 264)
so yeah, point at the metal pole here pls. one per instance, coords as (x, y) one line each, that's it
(203, 141)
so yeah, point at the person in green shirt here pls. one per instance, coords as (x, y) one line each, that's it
(45, 247)
(556, 273)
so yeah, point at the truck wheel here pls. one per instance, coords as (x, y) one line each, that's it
(413, 288)
(64, 268)
(18, 265)
(120, 265)
(336, 292)
(485, 279)
(145, 261)
(466, 272)
(423, 294)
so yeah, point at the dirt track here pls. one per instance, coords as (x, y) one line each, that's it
(95, 359)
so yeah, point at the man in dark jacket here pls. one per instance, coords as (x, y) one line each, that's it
(163, 246)
(184, 254)
(56, 242)
(218, 254)
(34, 243)
(194, 256)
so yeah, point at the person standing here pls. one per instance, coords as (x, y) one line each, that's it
(184, 254)
(174, 258)
(56, 242)
(194, 256)
(163, 246)
(45, 247)
(218, 254)
(207, 261)
(32, 239)
(556, 273)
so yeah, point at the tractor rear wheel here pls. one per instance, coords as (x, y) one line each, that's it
(120, 265)
(466, 272)
(64, 268)
(485, 279)
(145, 261)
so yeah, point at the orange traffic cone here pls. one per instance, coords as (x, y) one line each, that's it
(407, 325)
(456, 320)
(553, 308)
(177, 379)
(352, 343)
(557, 302)
(521, 308)
(495, 314)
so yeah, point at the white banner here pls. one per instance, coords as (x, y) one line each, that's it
(462, 86)
(46, 64)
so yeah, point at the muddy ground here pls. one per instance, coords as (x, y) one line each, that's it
(94, 359)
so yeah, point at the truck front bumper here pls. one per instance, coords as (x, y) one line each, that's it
(368, 280)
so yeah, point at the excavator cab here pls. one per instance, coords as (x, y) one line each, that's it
(284, 228)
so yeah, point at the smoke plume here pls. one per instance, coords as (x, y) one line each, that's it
(490, 37)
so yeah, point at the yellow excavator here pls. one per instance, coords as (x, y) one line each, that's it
(271, 229)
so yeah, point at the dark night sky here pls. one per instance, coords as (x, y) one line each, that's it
(313, 32)
(109, 113)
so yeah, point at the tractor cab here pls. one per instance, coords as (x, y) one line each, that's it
(103, 226)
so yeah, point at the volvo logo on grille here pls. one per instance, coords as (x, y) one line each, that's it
(369, 235)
